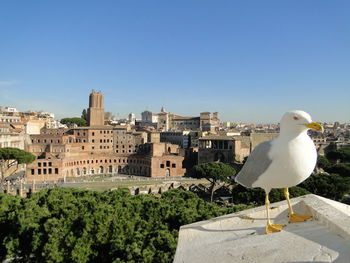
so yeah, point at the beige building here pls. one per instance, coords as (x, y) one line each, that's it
(166, 121)
(230, 149)
(11, 137)
(227, 149)
(100, 149)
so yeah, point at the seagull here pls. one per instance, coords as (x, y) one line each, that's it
(282, 162)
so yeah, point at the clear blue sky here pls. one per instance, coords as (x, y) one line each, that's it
(249, 60)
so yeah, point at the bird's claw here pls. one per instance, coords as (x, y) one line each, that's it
(272, 228)
(295, 218)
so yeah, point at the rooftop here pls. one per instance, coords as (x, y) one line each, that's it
(240, 237)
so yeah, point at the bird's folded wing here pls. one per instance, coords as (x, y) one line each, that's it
(257, 163)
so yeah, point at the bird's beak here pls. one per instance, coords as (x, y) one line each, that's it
(315, 126)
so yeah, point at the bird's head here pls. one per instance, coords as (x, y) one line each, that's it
(299, 121)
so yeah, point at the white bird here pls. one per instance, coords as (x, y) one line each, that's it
(283, 162)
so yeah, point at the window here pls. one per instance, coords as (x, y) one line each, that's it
(44, 170)
(50, 171)
(92, 147)
(39, 171)
(50, 163)
(174, 165)
(93, 140)
(56, 170)
(93, 134)
(167, 163)
(82, 147)
(39, 164)
(44, 164)
(161, 165)
(32, 171)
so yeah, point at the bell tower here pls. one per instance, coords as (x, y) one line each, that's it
(96, 112)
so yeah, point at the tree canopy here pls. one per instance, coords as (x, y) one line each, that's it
(20, 156)
(76, 120)
(331, 186)
(70, 225)
(342, 155)
(215, 173)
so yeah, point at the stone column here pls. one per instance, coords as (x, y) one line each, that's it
(33, 186)
(21, 188)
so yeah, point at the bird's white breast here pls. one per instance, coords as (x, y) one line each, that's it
(293, 160)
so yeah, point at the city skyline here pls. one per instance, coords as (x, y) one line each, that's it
(250, 62)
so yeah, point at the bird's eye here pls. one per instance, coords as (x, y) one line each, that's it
(295, 118)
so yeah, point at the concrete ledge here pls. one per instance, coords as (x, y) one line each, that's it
(240, 237)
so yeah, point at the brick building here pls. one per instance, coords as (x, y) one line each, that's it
(100, 149)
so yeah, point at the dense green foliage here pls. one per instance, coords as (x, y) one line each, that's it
(322, 162)
(69, 225)
(256, 196)
(215, 173)
(343, 169)
(19, 155)
(78, 121)
(331, 186)
(342, 155)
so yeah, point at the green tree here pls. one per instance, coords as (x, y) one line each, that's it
(71, 225)
(342, 155)
(343, 169)
(15, 155)
(78, 121)
(215, 172)
(322, 162)
(256, 196)
(331, 186)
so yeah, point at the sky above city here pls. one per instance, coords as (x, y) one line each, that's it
(249, 60)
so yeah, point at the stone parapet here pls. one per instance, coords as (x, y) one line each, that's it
(240, 237)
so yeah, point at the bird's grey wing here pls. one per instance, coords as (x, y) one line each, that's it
(256, 164)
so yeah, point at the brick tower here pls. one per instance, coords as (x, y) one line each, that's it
(95, 111)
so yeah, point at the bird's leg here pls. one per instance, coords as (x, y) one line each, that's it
(271, 228)
(294, 218)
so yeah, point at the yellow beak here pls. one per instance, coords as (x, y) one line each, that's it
(315, 126)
